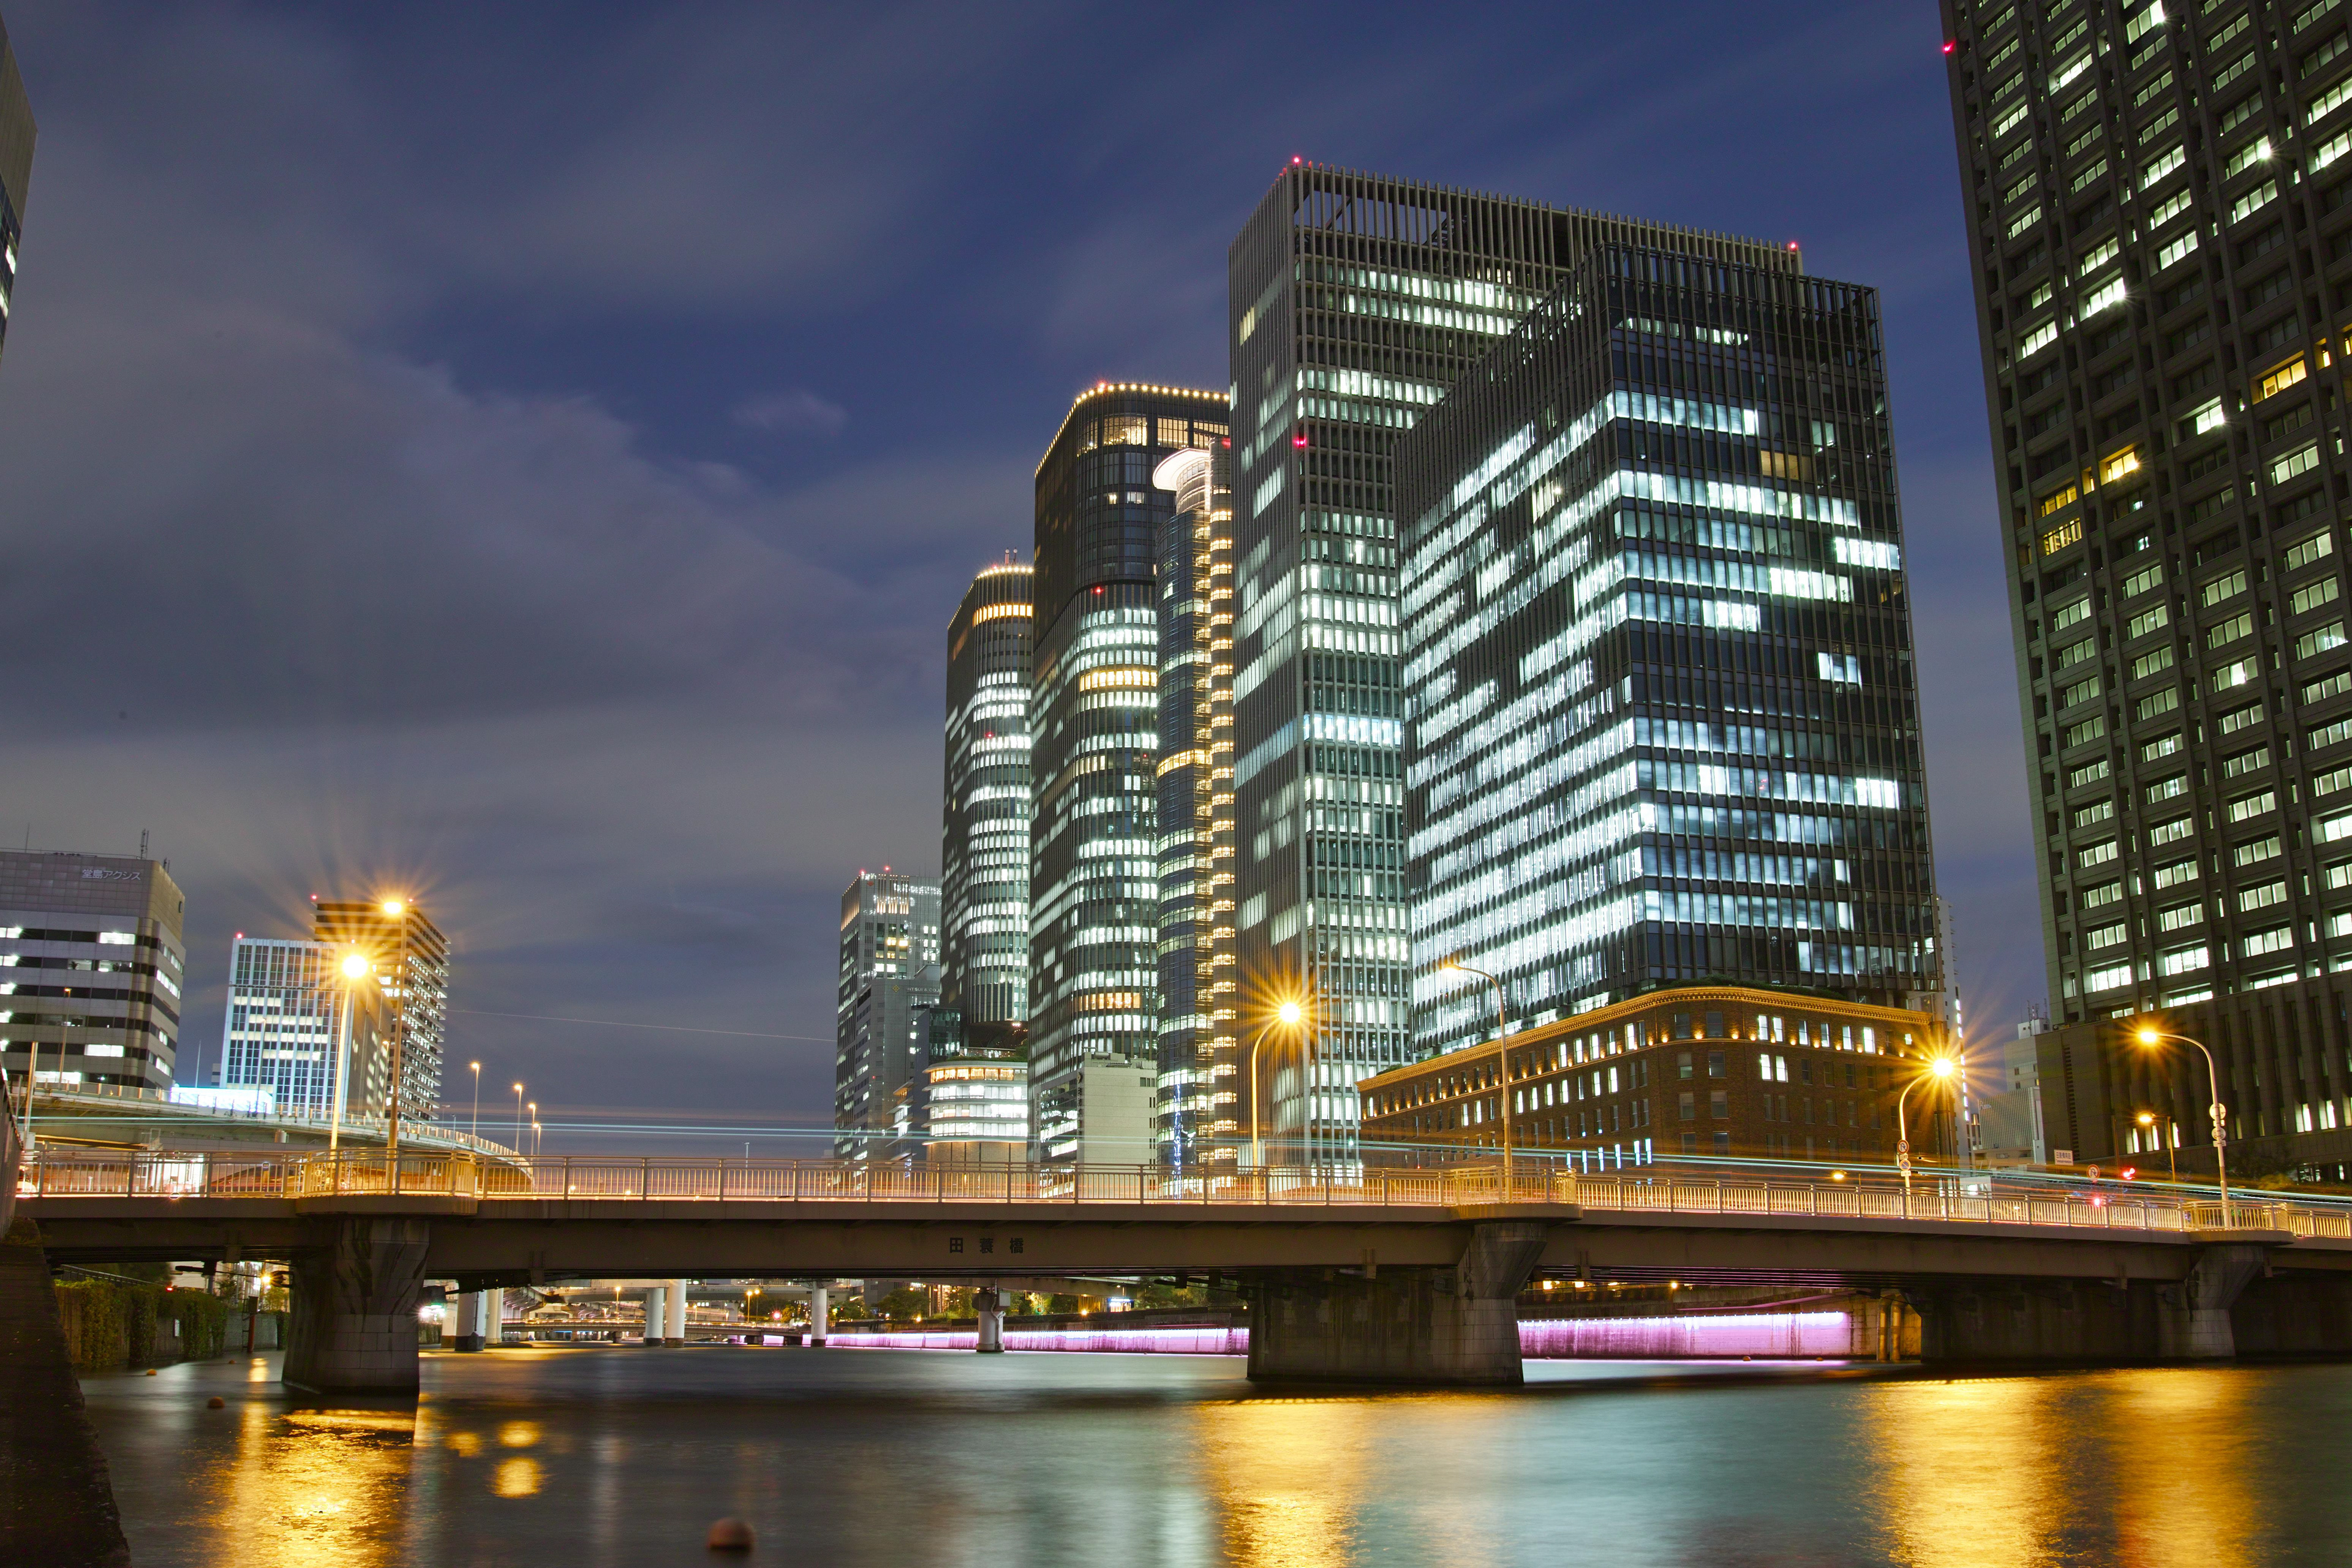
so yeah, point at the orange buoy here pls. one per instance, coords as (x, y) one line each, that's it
(729, 1535)
(215, 1402)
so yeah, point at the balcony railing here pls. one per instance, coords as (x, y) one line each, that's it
(71, 1173)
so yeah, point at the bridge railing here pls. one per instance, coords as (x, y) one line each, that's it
(53, 1172)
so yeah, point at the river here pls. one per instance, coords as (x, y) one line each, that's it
(589, 1457)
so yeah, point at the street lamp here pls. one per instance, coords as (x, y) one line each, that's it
(2147, 1119)
(2151, 1038)
(478, 1098)
(1937, 1068)
(517, 1142)
(355, 968)
(534, 1129)
(1287, 1015)
(1502, 1058)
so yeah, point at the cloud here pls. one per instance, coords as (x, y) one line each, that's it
(791, 413)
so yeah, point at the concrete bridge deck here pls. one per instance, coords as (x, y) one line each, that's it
(1359, 1270)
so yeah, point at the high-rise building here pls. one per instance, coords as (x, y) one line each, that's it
(95, 962)
(890, 981)
(1356, 301)
(410, 959)
(285, 1028)
(16, 136)
(1199, 1132)
(2160, 219)
(1664, 723)
(1094, 890)
(984, 834)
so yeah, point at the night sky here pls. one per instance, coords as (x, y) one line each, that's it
(526, 457)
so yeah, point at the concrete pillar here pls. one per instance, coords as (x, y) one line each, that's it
(819, 1308)
(653, 1316)
(464, 1320)
(674, 1322)
(491, 1322)
(353, 1324)
(1458, 1327)
(2192, 1317)
(990, 1307)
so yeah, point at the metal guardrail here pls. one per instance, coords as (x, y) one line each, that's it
(66, 1174)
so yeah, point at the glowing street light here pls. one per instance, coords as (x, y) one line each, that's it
(2151, 1038)
(2147, 1119)
(517, 1142)
(1287, 1015)
(1502, 1058)
(1936, 1067)
(478, 1098)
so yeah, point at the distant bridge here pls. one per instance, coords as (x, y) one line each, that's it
(1397, 1274)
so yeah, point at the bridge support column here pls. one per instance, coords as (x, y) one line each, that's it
(653, 1335)
(2192, 1317)
(674, 1320)
(352, 1329)
(989, 1306)
(466, 1317)
(820, 1311)
(1458, 1327)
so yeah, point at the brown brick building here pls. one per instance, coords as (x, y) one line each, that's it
(1723, 1071)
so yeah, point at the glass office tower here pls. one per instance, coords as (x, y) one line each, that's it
(285, 1030)
(1094, 889)
(985, 837)
(889, 983)
(2160, 221)
(1356, 301)
(1198, 1132)
(1664, 724)
(16, 136)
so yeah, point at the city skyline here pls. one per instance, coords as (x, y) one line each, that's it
(691, 911)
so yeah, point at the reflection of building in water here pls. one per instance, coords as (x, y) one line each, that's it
(1286, 1481)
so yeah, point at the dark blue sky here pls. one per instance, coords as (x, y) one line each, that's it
(529, 455)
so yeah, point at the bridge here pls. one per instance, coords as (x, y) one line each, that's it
(1406, 1276)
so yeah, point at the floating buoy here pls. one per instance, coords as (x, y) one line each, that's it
(729, 1535)
(215, 1402)
(151, 1371)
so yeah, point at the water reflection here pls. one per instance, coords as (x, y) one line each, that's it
(620, 1459)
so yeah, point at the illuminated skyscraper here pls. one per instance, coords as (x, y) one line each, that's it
(1200, 1064)
(284, 1028)
(889, 981)
(1665, 722)
(16, 136)
(2157, 200)
(1094, 880)
(91, 944)
(1356, 301)
(412, 971)
(984, 837)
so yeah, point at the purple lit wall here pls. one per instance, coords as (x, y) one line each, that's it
(1709, 1337)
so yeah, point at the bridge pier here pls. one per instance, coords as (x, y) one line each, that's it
(352, 1326)
(2095, 1320)
(820, 1311)
(673, 1319)
(471, 1308)
(655, 1296)
(1458, 1327)
(990, 1308)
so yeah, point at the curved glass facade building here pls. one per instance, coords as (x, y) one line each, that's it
(984, 834)
(1357, 300)
(17, 137)
(1663, 718)
(1094, 892)
(1199, 1130)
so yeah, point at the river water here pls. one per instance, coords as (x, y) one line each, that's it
(589, 1457)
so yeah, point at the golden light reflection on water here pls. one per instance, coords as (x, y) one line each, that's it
(309, 1489)
(518, 1434)
(2137, 1467)
(517, 1478)
(465, 1444)
(1283, 1476)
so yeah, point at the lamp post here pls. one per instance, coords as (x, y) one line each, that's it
(478, 1098)
(2151, 1038)
(1287, 1014)
(355, 968)
(517, 1142)
(1937, 1068)
(2147, 1119)
(1502, 1060)
(534, 1129)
